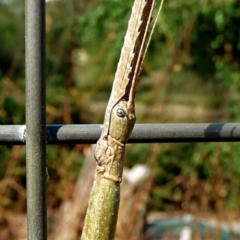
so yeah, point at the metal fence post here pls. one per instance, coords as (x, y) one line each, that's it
(35, 119)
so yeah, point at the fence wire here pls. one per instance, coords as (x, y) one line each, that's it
(142, 133)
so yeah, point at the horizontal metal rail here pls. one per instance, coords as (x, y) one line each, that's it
(142, 133)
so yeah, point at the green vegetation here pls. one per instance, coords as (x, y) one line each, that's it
(191, 71)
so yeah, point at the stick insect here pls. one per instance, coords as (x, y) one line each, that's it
(119, 120)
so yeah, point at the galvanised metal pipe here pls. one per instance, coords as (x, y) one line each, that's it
(142, 133)
(35, 119)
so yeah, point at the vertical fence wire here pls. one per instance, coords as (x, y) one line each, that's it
(35, 119)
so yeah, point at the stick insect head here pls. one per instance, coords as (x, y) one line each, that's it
(122, 121)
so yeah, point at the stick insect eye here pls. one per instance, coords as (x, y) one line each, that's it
(121, 113)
